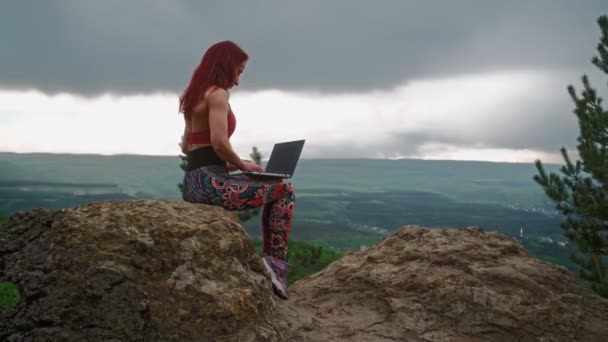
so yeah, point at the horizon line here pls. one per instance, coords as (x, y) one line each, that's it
(332, 158)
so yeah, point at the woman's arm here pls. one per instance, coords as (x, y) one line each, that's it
(231, 168)
(218, 124)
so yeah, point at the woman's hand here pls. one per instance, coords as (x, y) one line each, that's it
(255, 167)
(249, 166)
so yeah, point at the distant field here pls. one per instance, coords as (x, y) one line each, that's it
(157, 177)
(346, 192)
(340, 204)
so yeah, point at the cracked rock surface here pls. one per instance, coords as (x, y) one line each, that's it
(134, 271)
(173, 271)
(444, 285)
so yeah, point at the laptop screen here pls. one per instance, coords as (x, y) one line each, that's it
(284, 157)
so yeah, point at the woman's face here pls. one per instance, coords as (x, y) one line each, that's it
(237, 73)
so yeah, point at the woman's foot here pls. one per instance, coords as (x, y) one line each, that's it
(277, 269)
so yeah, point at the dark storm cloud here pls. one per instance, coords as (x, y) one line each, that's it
(144, 46)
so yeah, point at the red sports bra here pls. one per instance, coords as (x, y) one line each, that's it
(204, 137)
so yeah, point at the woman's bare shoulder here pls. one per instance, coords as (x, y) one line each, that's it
(213, 96)
(216, 94)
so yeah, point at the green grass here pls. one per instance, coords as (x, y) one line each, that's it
(305, 258)
(9, 295)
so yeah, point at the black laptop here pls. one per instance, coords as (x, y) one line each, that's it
(282, 162)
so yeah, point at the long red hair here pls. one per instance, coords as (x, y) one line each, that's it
(216, 68)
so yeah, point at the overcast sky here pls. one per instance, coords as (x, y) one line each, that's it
(474, 80)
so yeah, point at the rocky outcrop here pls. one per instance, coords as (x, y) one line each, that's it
(175, 271)
(135, 271)
(444, 285)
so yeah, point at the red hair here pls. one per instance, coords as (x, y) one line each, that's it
(216, 69)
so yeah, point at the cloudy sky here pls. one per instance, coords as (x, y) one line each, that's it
(465, 80)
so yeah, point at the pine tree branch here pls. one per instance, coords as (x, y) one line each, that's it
(581, 193)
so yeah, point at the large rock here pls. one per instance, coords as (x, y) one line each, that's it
(175, 271)
(444, 285)
(134, 271)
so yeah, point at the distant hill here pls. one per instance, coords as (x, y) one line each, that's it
(157, 176)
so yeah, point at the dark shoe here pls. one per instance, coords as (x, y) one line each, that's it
(277, 269)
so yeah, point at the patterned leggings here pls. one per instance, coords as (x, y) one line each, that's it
(214, 185)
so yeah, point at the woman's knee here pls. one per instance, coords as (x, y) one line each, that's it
(288, 186)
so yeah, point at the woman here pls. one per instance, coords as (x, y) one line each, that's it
(210, 123)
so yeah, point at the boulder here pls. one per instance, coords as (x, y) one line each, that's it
(444, 285)
(134, 271)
